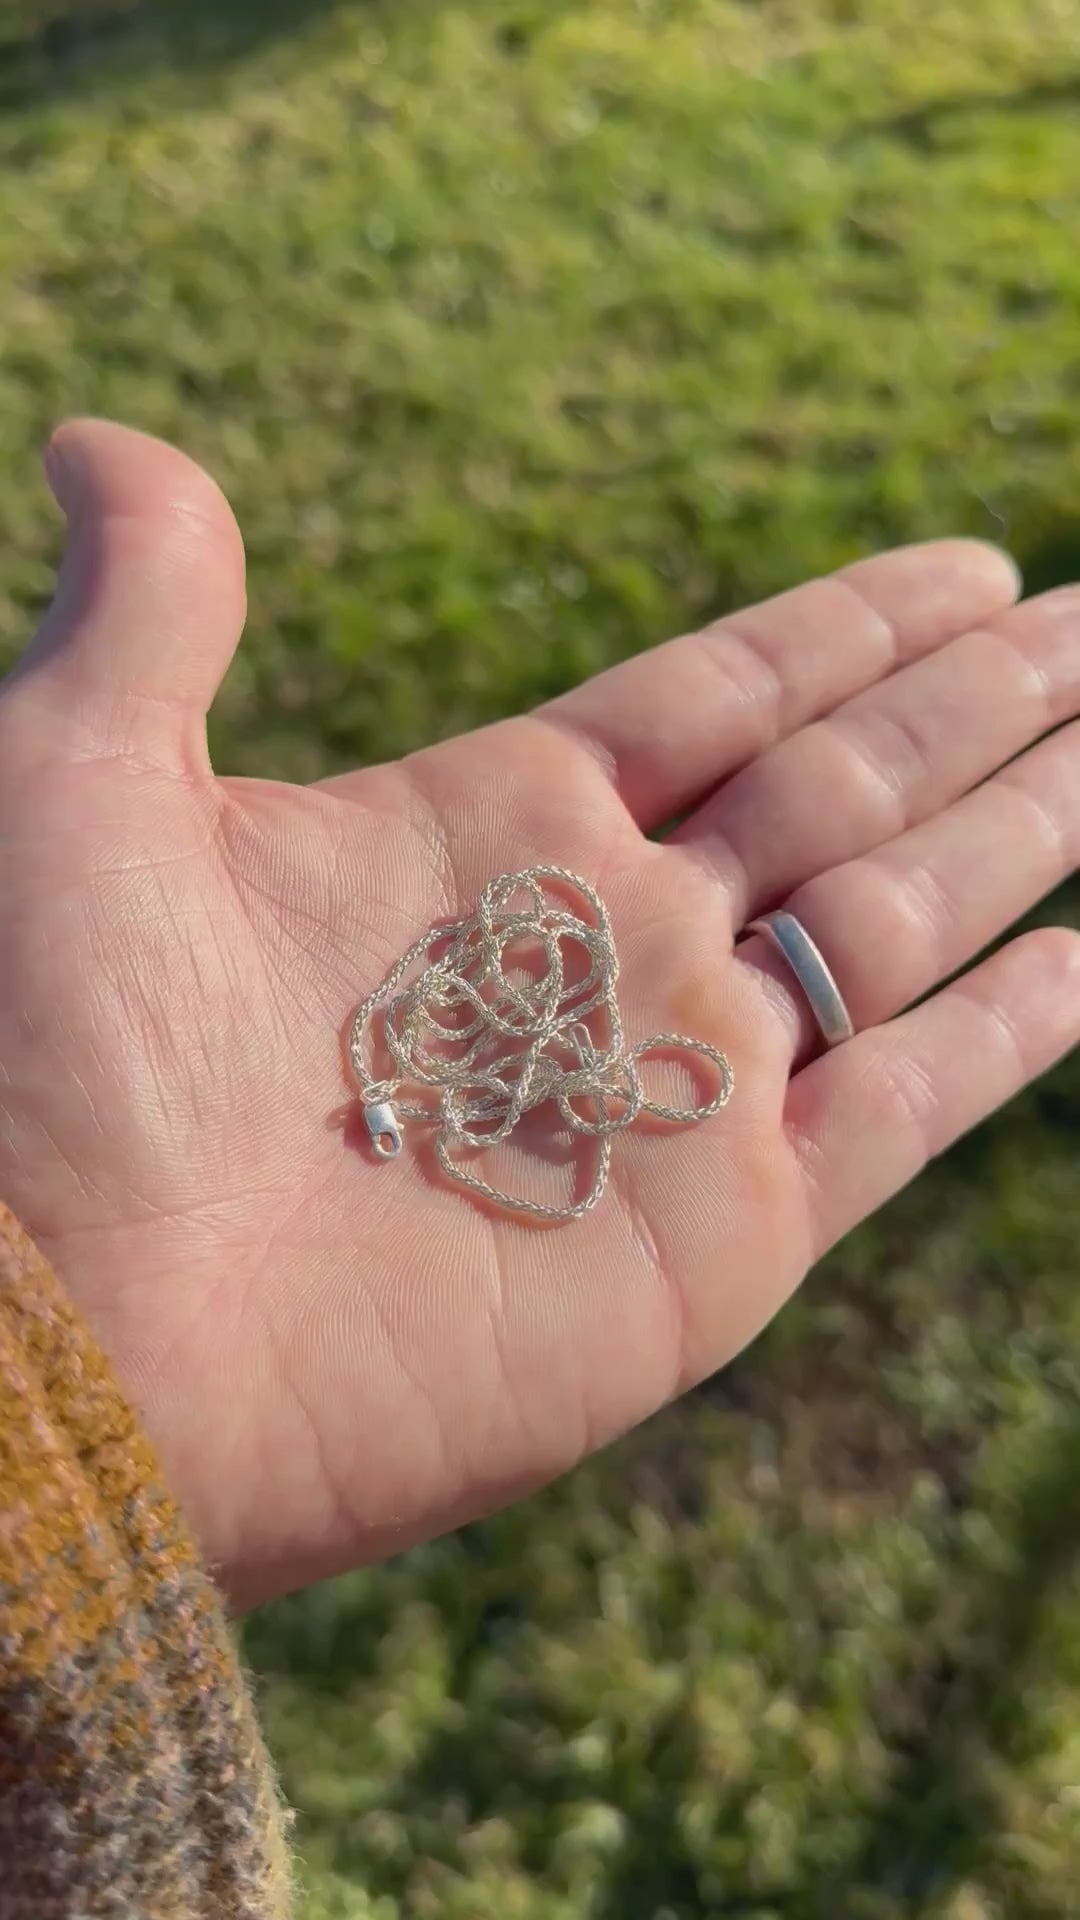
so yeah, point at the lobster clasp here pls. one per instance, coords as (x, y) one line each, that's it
(382, 1125)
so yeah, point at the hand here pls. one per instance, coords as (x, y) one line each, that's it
(337, 1357)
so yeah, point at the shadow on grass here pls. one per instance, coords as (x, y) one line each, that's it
(54, 48)
(920, 125)
(934, 1826)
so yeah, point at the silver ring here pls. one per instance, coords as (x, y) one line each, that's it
(807, 963)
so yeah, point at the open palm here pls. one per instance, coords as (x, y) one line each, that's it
(335, 1356)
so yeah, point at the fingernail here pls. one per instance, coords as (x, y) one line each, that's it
(66, 475)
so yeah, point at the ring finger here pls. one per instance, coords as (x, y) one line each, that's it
(896, 921)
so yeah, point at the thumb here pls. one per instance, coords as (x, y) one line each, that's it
(149, 604)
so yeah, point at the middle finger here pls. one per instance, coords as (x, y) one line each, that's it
(890, 758)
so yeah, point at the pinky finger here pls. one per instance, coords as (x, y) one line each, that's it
(865, 1119)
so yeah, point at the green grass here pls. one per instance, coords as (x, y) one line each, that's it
(522, 333)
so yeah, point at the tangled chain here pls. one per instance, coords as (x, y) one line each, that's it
(496, 1047)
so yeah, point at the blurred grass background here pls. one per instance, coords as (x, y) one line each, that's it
(523, 333)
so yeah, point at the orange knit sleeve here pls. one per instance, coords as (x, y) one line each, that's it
(133, 1779)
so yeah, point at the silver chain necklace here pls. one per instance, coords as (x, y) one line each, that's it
(493, 1047)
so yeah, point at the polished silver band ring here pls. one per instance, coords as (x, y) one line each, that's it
(807, 963)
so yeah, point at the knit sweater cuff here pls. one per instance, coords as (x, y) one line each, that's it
(133, 1779)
